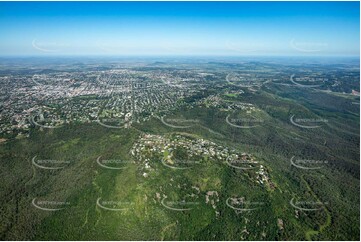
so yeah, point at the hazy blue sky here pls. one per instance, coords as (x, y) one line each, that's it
(179, 28)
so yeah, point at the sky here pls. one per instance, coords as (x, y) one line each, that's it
(180, 28)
